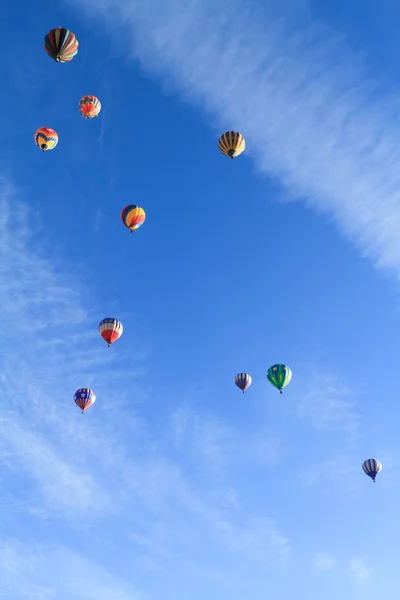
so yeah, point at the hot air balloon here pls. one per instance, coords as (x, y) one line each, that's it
(243, 381)
(279, 376)
(133, 216)
(231, 143)
(84, 398)
(90, 106)
(372, 467)
(61, 44)
(46, 138)
(110, 330)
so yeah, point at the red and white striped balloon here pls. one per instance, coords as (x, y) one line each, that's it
(110, 330)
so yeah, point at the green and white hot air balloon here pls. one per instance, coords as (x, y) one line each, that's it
(279, 376)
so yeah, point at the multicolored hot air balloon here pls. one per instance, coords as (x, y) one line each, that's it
(61, 44)
(84, 398)
(231, 143)
(110, 330)
(372, 467)
(279, 376)
(243, 381)
(46, 138)
(90, 106)
(133, 216)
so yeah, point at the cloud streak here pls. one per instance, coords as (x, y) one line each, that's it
(50, 571)
(359, 570)
(84, 473)
(313, 117)
(324, 562)
(330, 407)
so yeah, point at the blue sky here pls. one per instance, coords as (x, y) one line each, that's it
(174, 484)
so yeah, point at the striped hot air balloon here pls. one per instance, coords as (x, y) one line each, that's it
(46, 138)
(279, 376)
(110, 330)
(231, 143)
(90, 106)
(61, 44)
(133, 216)
(372, 467)
(84, 398)
(243, 381)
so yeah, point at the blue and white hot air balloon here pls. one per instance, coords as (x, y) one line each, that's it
(372, 467)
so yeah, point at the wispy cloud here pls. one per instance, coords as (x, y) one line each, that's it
(359, 570)
(330, 406)
(42, 572)
(324, 562)
(312, 116)
(216, 446)
(96, 466)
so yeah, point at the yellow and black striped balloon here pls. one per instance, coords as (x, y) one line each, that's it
(231, 143)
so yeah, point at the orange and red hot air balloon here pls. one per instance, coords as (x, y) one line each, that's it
(133, 216)
(90, 106)
(110, 330)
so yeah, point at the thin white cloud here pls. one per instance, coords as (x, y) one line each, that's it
(324, 562)
(216, 445)
(46, 572)
(359, 570)
(63, 485)
(313, 117)
(330, 406)
(209, 439)
(96, 465)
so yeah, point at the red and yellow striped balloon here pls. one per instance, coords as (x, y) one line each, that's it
(133, 216)
(46, 138)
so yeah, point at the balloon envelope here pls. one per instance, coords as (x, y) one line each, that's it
(279, 376)
(133, 216)
(231, 143)
(372, 467)
(243, 381)
(84, 398)
(110, 329)
(46, 138)
(61, 44)
(90, 106)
